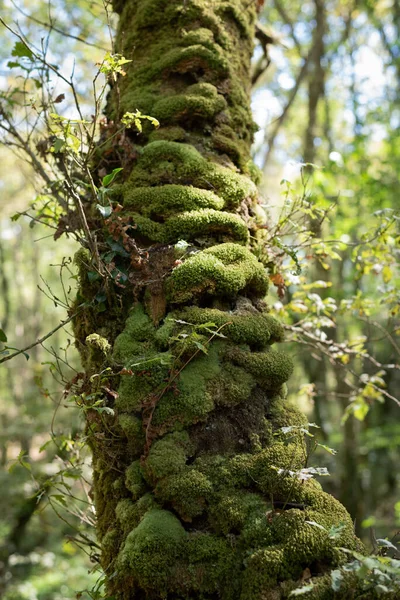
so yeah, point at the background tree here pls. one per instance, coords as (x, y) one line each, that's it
(117, 262)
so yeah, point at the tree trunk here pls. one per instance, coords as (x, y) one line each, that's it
(192, 487)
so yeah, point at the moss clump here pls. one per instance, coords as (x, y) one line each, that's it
(186, 492)
(167, 456)
(151, 549)
(138, 328)
(133, 429)
(190, 225)
(223, 270)
(134, 481)
(168, 200)
(231, 511)
(255, 330)
(129, 514)
(163, 162)
(212, 560)
(200, 101)
(271, 369)
(191, 402)
(232, 387)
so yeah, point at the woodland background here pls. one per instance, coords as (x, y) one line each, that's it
(326, 99)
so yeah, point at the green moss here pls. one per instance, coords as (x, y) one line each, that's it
(163, 162)
(283, 414)
(191, 402)
(271, 369)
(190, 225)
(233, 386)
(256, 330)
(262, 569)
(171, 133)
(167, 200)
(187, 492)
(231, 511)
(224, 270)
(199, 101)
(138, 328)
(134, 481)
(211, 560)
(167, 456)
(273, 482)
(151, 550)
(133, 429)
(129, 514)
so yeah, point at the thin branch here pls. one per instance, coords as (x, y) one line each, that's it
(39, 341)
(292, 96)
(60, 31)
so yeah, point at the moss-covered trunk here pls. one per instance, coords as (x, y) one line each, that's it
(194, 482)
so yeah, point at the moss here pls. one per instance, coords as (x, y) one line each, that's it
(134, 481)
(129, 514)
(167, 200)
(199, 101)
(138, 328)
(133, 429)
(187, 492)
(231, 511)
(271, 369)
(224, 270)
(171, 133)
(283, 414)
(190, 225)
(151, 550)
(167, 456)
(182, 60)
(256, 330)
(163, 162)
(272, 482)
(262, 569)
(191, 401)
(232, 387)
(211, 560)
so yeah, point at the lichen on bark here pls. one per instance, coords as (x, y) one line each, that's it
(190, 469)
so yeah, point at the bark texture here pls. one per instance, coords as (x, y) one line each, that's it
(193, 490)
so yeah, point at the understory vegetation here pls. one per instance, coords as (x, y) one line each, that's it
(199, 326)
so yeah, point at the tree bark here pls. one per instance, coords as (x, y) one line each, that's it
(193, 475)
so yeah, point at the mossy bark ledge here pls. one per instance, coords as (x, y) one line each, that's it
(194, 487)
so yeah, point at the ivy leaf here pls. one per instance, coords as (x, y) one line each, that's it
(386, 544)
(336, 530)
(107, 179)
(104, 210)
(3, 337)
(336, 580)
(330, 450)
(302, 590)
(20, 49)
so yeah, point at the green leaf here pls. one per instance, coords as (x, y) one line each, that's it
(3, 337)
(20, 49)
(315, 524)
(104, 210)
(336, 580)
(330, 450)
(93, 276)
(107, 179)
(58, 145)
(386, 544)
(336, 530)
(302, 590)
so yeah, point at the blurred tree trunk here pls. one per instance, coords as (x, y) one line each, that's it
(197, 455)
